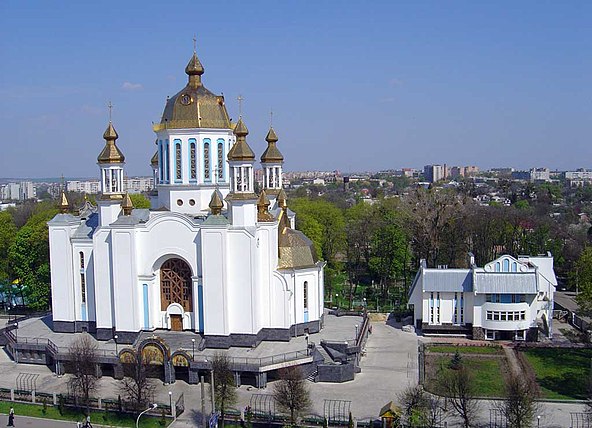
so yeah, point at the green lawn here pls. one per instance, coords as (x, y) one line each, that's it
(451, 349)
(97, 417)
(487, 374)
(561, 373)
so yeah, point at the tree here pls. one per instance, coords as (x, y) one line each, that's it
(290, 392)
(581, 278)
(139, 200)
(224, 387)
(519, 406)
(137, 385)
(458, 386)
(420, 409)
(7, 235)
(82, 363)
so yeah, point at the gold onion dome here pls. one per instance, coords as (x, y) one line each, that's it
(216, 203)
(127, 205)
(241, 151)
(64, 205)
(194, 67)
(110, 153)
(194, 106)
(154, 160)
(271, 153)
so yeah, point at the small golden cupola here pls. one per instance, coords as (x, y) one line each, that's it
(127, 205)
(241, 151)
(154, 160)
(282, 199)
(216, 203)
(263, 213)
(271, 161)
(110, 153)
(64, 205)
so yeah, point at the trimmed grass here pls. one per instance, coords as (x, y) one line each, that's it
(487, 374)
(96, 417)
(561, 373)
(451, 349)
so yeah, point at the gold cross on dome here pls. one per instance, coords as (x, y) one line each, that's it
(240, 105)
(110, 106)
(194, 43)
(271, 118)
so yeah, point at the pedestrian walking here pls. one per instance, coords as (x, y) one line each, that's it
(11, 417)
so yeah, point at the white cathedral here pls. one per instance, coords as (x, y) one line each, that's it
(211, 256)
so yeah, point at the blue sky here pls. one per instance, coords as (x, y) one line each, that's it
(353, 85)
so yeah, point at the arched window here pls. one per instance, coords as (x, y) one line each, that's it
(175, 284)
(192, 161)
(220, 160)
(305, 294)
(506, 265)
(178, 162)
(206, 153)
(514, 267)
(497, 266)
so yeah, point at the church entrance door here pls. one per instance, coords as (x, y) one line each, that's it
(175, 284)
(176, 323)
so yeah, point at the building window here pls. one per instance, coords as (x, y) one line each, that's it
(462, 308)
(166, 163)
(178, 163)
(82, 278)
(490, 334)
(160, 161)
(489, 315)
(206, 153)
(220, 160)
(192, 160)
(305, 291)
(506, 265)
(455, 306)
(81, 254)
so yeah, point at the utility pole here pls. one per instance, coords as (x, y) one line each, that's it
(204, 420)
(212, 391)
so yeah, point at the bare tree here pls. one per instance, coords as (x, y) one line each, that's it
(82, 363)
(224, 387)
(458, 387)
(519, 406)
(291, 393)
(137, 385)
(420, 409)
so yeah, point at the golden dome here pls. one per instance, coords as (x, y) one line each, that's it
(263, 203)
(194, 106)
(241, 151)
(216, 203)
(154, 160)
(110, 153)
(271, 153)
(64, 205)
(127, 205)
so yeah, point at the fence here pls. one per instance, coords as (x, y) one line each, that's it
(574, 319)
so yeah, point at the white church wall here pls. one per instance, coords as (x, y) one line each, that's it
(215, 293)
(85, 311)
(103, 279)
(241, 284)
(279, 301)
(62, 288)
(126, 296)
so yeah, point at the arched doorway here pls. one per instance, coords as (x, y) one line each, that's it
(176, 287)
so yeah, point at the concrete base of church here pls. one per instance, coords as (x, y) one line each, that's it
(74, 326)
(265, 334)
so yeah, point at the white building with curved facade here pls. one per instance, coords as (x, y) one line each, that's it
(506, 299)
(211, 256)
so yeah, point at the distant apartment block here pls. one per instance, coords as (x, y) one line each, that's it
(434, 173)
(540, 174)
(130, 184)
(18, 191)
(579, 177)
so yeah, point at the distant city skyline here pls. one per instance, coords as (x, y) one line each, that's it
(353, 87)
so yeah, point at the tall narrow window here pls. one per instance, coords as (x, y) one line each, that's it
(220, 160)
(206, 152)
(192, 161)
(167, 161)
(82, 278)
(178, 163)
(305, 291)
(160, 161)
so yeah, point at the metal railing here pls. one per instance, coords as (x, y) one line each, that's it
(259, 362)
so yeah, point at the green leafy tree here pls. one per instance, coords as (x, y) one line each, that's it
(7, 236)
(139, 200)
(581, 278)
(29, 259)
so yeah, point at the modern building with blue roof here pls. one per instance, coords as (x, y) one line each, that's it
(507, 299)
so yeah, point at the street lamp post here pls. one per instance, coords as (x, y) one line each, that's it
(16, 344)
(115, 338)
(171, 401)
(154, 406)
(306, 337)
(193, 349)
(538, 421)
(356, 332)
(337, 300)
